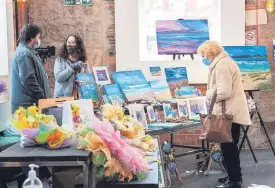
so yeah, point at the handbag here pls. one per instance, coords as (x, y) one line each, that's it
(216, 128)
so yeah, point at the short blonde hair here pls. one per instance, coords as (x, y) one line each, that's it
(210, 49)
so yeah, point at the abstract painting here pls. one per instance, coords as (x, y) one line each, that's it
(4, 93)
(254, 66)
(181, 36)
(183, 108)
(176, 78)
(161, 89)
(196, 107)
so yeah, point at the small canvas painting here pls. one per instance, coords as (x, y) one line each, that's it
(101, 75)
(183, 108)
(161, 89)
(176, 78)
(155, 71)
(181, 36)
(137, 111)
(129, 77)
(174, 108)
(151, 113)
(112, 93)
(196, 106)
(159, 114)
(254, 66)
(4, 94)
(88, 86)
(137, 92)
(167, 111)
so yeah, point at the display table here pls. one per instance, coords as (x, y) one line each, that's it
(157, 131)
(16, 156)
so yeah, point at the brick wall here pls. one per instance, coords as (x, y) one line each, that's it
(96, 25)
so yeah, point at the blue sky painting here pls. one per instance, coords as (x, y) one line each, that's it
(254, 66)
(181, 36)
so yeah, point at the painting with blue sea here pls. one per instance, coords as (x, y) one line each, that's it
(129, 77)
(254, 66)
(180, 36)
(88, 88)
(160, 89)
(176, 78)
(112, 93)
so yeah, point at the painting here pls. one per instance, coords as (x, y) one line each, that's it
(176, 78)
(133, 85)
(159, 114)
(112, 93)
(101, 75)
(161, 89)
(254, 66)
(167, 111)
(151, 113)
(174, 109)
(183, 108)
(196, 106)
(181, 36)
(88, 86)
(137, 111)
(4, 93)
(155, 71)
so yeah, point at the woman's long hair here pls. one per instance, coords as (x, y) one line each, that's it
(80, 49)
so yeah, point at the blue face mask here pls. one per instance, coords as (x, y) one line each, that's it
(206, 61)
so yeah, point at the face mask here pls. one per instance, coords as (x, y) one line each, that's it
(37, 45)
(71, 49)
(206, 61)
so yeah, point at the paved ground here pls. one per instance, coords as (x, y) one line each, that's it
(261, 175)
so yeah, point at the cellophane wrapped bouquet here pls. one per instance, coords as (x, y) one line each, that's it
(40, 129)
(117, 157)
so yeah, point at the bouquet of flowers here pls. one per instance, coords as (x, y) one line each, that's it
(129, 127)
(39, 129)
(114, 157)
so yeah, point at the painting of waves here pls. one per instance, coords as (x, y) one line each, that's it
(137, 92)
(253, 64)
(161, 89)
(180, 36)
(176, 78)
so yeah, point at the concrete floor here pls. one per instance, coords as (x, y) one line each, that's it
(260, 175)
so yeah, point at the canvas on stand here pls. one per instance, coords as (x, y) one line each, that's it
(253, 64)
(161, 89)
(181, 36)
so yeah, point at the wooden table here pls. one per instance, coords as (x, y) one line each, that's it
(16, 156)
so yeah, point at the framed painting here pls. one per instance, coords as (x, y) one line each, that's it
(196, 106)
(183, 108)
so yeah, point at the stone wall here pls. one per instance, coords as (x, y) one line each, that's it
(95, 24)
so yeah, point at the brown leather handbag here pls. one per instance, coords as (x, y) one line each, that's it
(216, 128)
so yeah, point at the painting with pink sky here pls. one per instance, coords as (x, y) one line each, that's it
(181, 36)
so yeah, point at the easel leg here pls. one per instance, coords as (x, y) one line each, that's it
(248, 142)
(267, 136)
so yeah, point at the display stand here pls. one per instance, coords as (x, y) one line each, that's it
(245, 130)
(174, 56)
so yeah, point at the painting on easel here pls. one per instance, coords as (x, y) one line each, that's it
(254, 66)
(181, 36)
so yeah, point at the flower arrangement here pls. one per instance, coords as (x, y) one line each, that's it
(129, 127)
(39, 129)
(76, 113)
(114, 157)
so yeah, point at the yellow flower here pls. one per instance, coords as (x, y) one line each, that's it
(119, 113)
(20, 113)
(32, 110)
(75, 110)
(108, 111)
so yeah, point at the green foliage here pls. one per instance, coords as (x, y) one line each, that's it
(99, 159)
(100, 173)
(265, 86)
(141, 176)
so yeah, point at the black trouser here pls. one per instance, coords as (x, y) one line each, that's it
(231, 156)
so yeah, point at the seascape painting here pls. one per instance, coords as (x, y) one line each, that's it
(136, 92)
(161, 89)
(155, 71)
(180, 36)
(88, 86)
(176, 78)
(253, 64)
(129, 77)
(112, 93)
(197, 106)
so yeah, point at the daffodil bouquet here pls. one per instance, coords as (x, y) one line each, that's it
(39, 129)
